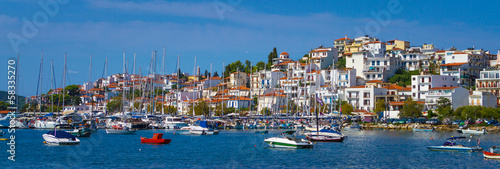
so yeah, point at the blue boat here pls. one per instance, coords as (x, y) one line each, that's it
(451, 145)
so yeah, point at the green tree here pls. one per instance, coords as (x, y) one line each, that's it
(200, 108)
(379, 106)
(431, 114)
(403, 77)
(411, 109)
(4, 105)
(444, 107)
(341, 63)
(114, 105)
(346, 108)
(72, 90)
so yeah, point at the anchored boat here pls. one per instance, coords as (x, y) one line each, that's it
(157, 139)
(60, 138)
(494, 153)
(451, 145)
(288, 139)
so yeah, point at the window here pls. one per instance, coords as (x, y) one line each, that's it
(414, 87)
(430, 79)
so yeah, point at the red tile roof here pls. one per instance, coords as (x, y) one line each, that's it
(284, 53)
(443, 88)
(374, 81)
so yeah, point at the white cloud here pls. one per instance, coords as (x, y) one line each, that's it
(72, 72)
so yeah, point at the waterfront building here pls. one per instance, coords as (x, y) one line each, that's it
(489, 81)
(458, 97)
(363, 97)
(483, 98)
(421, 84)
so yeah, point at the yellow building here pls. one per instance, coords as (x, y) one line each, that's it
(397, 44)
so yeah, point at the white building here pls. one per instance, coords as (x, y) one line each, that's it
(457, 95)
(421, 84)
(480, 98)
(239, 102)
(363, 97)
(324, 57)
(272, 101)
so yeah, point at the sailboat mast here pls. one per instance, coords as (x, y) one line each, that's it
(64, 78)
(163, 83)
(194, 79)
(177, 86)
(123, 88)
(92, 86)
(210, 90)
(52, 85)
(222, 102)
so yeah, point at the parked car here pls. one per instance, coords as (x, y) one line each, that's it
(433, 121)
(458, 122)
(479, 121)
(469, 122)
(420, 120)
(409, 121)
(447, 122)
(493, 122)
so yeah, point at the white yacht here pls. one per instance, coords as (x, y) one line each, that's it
(45, 124)
(174, 123)
(203, 129)
(60, 138)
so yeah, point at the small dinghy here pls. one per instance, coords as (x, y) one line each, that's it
(157, 139)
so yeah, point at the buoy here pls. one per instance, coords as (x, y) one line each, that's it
(174, 132)
(255, 145)
(44, 142)
(432, 138)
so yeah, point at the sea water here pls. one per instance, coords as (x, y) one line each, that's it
(244, 149)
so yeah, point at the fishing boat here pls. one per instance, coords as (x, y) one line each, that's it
(451, 145)
(157, 139)
(494, 153)
(60, 138)
(476, 132)
(288, 139)
(120, 130)
(422, 130)
(202, 129)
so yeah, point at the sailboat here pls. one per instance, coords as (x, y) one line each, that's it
(326, 134)
(60, 138)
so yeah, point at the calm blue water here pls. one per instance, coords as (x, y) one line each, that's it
(244, 149)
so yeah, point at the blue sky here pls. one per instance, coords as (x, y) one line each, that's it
(220, 30)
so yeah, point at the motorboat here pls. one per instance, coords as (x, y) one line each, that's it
(174, 123)
(475, 132)
(288, 139)
(451, 145)
(203, 128)
(120, 130)
(60, 138)
(71, 118)
(494, 153)
(157, 139)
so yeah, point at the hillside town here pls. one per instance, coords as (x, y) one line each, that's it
(361, 76)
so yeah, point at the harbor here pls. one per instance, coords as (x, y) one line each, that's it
(246, 149)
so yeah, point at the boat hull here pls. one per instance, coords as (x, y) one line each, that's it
(325, 139)
(124, 131)
(491, 155)
(285, 143)
(454, 148)
(155, 141)
(52, 140)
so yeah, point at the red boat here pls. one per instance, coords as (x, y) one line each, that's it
(157, 139)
